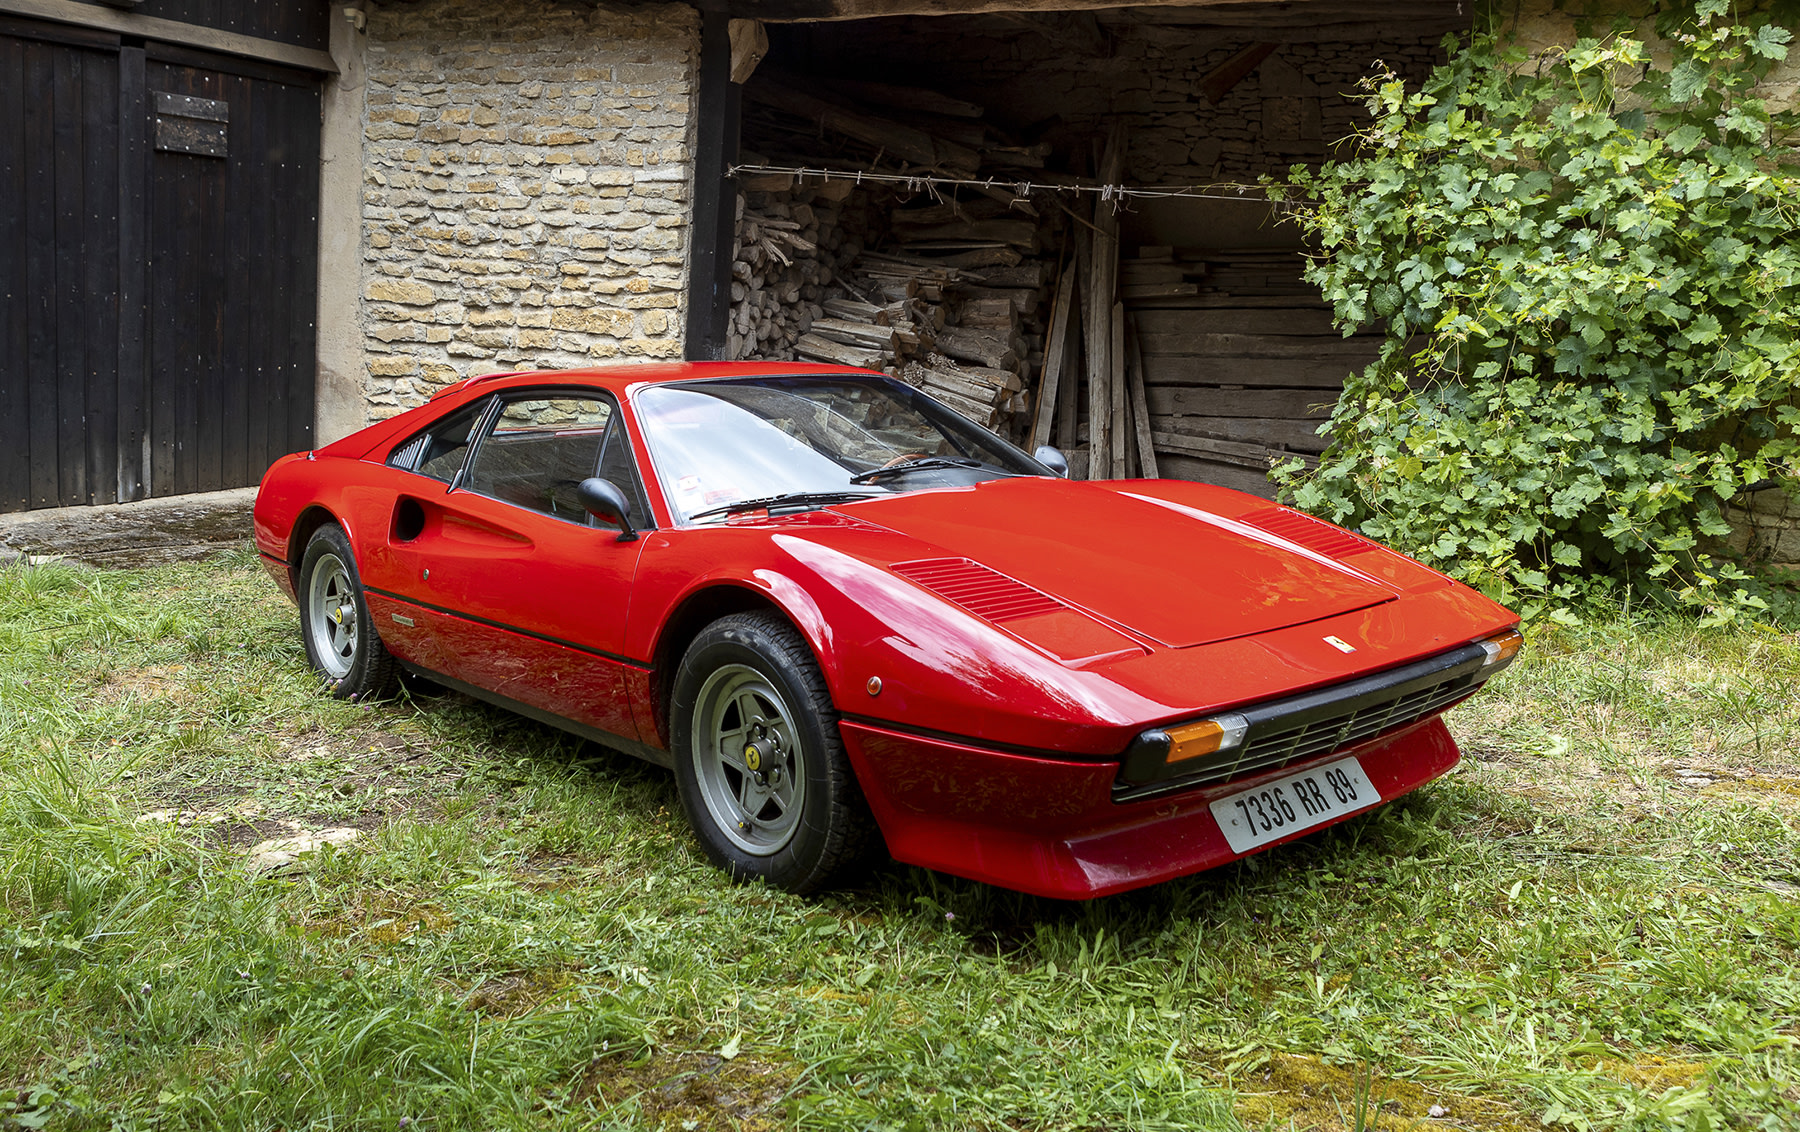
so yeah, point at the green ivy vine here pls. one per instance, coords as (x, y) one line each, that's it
(1587, 268)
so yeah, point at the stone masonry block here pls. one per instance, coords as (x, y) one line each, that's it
(593, 320)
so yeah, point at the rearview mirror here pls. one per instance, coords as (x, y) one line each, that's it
(1053, 459)
(604, 500)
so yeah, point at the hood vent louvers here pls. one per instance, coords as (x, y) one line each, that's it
(986, 593)
(1301, 528)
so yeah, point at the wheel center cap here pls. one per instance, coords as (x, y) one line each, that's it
(753, 756)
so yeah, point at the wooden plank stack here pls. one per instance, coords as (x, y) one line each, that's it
(1240, 374)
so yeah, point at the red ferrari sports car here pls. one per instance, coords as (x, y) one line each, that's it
(846, 616)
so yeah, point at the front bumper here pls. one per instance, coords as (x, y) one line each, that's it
(1052, 827)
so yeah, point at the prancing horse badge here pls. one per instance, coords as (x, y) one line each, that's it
(1340, 644)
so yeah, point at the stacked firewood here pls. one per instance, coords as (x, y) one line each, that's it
(793, 242)
(946, 290)
(805, 287)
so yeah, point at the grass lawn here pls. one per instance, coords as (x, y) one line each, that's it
(1594, 922)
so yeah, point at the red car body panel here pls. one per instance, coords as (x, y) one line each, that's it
(994, 742)
(1051, 828)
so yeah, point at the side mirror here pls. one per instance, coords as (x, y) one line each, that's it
(604, 500)
(1053, 459)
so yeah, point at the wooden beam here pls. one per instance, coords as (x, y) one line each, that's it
(749, 43)
(1097, 304)
(908, 97)
(1358, 351)
(1294, 436)
(1251, 13)
(1053, 360)
(173, 31)
(1221, 79)
(1226, 451)
(901, 141)
(1306, 320)
(1181, 35)
(1140, 409)
(715, 194)
(1115, 387)
(1288, 404)
(1227, 369)
(1068, 401)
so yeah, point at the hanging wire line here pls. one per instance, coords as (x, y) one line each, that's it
(1116, 194)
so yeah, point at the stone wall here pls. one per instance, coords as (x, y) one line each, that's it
(527, 171)
(1027, 71)
(1539, 26)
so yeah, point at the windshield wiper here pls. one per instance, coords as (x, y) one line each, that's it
(919, 465)
(785, 499)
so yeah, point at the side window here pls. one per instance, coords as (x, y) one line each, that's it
(539, 451)
(439, 451)
(617, 465)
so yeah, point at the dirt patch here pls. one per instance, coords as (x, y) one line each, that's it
(380, 775)
(692, 1092)
(154, 682)
(1655, 1075)
(519, 992)
(385, 918)
(1309, 1095)
(148, 533)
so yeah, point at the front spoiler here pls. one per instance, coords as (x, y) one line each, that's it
(1051, 827)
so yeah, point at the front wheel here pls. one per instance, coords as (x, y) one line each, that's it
(758, 759)
(340, 636)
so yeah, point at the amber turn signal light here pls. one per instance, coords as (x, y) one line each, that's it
(1191, 740)
(1501, 647)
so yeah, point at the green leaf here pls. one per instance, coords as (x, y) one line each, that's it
(1686, 79)
(1771, 42)
(1683, 139)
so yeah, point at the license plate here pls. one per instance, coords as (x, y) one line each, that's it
(1264, 814)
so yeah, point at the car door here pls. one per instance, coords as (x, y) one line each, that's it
(513, 587)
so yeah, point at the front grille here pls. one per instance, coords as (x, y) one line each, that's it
(1295, 744)
(1302, 727)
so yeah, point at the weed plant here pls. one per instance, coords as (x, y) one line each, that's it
(1591, 923)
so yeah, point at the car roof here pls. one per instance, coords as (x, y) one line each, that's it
(624, 377)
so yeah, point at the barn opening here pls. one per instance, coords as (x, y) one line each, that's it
(1051, 220)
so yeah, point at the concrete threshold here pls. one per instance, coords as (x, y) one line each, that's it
(149, 532)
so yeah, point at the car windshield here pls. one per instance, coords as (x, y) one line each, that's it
(733, 441)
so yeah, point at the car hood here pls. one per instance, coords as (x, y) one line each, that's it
(1175, 573)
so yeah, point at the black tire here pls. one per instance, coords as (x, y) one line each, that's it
(341, 642)
(758, 759)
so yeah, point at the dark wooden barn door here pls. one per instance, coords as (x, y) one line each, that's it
(232, 280)
(59, 273)
(158, 259)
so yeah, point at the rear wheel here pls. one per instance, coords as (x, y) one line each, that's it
(760, 765)
(341, 641)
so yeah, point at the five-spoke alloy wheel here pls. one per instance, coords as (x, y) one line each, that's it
(758, 759)
(341, 641)
(748, 762)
